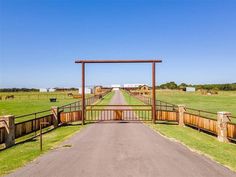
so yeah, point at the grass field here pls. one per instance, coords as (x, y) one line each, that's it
(224, 101)
(208, 145)
(106, 100)
(25, 103)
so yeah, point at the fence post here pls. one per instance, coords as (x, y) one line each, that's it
(55, 114)
(8, 122)
(181, 111)
(222, 120)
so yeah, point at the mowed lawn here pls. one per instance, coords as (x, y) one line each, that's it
(224, 101)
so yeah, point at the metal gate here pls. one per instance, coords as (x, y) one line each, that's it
(118, 113)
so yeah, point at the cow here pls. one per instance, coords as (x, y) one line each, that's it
(69, 94)
(9, 97)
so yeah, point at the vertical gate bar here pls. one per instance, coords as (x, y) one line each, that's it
(128, 115)
(107, 112)
(94, 115)
(104, 115)
(97, 116)
(35, 131)
(154, 92)
(112, 114)
(83, 96)
(132, 115)
(130, 118)
(144, 114)
(91, 117)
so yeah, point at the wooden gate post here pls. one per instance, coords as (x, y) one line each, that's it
(9, 123)
(222, 120)
(55, 114)
(83, 94)
(154, 92)
(181, 111)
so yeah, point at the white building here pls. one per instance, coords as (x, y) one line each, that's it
(43, 90)
(115, 86)
(86, 90)
(132, 85)
(47, 90)
(51, 90)
(190, 89)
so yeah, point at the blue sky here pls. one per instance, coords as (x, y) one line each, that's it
(40, 40)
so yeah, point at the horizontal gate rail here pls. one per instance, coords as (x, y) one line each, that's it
(118, 112)
(32, 116)
(30, 126)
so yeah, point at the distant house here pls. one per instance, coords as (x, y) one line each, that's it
(97, 90)
(144, 90)
(132, 85)
(43, 90)
(190, 89)
(86, 90)
(141, 90)
(51, 90)
(47, 90)
(116, 87)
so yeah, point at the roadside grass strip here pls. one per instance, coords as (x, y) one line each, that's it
(21, 154)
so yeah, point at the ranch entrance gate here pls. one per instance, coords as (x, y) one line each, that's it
(116, 114)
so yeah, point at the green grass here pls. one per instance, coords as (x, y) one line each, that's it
(131, 100)
(19, 155)
(224, 101)
(26, 103)
(208, 145)
(223, 153)
(25, 106)
(103, 102)
(106, 100)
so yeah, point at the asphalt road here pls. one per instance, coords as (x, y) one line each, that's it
(121, 150)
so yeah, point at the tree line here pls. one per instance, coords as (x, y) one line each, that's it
(34, 89)
(182, 86)
(168, 85)
(19, 90)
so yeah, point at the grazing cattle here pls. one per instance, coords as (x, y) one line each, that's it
(77, 96)
(100, 96)
(9, 97)
(0, 97)
(69, 94)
